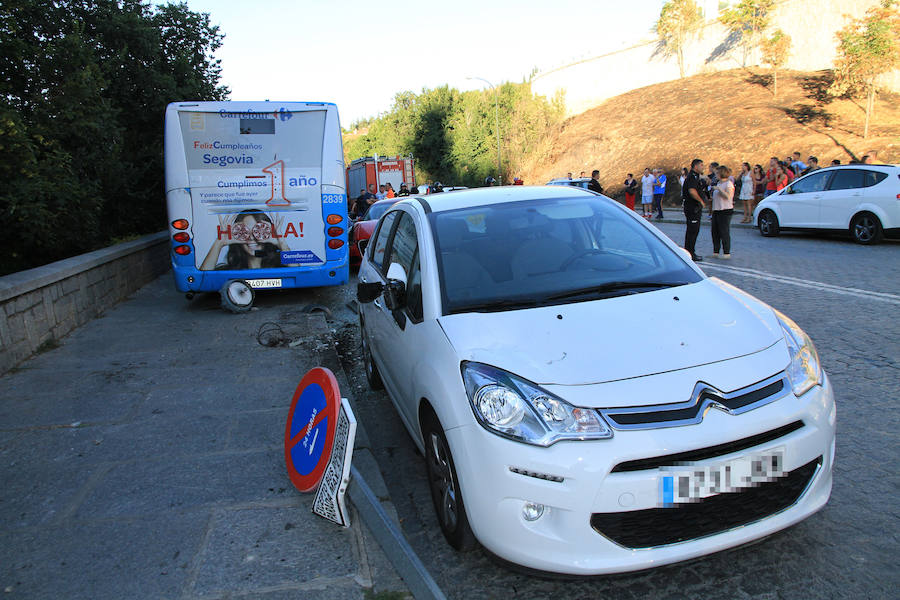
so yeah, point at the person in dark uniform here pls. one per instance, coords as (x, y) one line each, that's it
(693, 194)
(594, 183)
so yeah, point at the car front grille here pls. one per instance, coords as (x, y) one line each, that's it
(679, 458)
(691, 412)
(661, 526)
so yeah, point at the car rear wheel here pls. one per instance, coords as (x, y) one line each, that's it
(866, 229)
(372, 374)
(444, 484)
(768, 224)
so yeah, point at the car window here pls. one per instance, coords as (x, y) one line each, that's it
(873, 178)
(547, 251)
(414, 291)
(811, 183)
(375, 211)
(404, 244)
(847, 179)
(381, 239)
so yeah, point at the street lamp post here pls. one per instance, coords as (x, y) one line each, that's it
(497, 124)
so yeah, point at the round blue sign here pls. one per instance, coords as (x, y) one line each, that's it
(311, 424)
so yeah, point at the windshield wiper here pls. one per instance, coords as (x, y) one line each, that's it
(614, 286)
(495, 305)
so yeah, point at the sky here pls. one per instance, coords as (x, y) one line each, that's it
(359, 54)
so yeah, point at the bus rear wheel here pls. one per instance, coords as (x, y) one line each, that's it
(237, 296)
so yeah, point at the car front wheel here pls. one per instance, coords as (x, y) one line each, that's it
(448, 502)
(768, 224)
(866, 229)
(372, 374)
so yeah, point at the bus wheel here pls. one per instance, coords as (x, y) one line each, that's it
(237, 295)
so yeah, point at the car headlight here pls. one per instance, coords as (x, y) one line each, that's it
(512, 407)
(804, 371)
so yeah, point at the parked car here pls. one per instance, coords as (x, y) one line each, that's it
(362, 228)
(579, 182)
(861, 200)
(588, 401)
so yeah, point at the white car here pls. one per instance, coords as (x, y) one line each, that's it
(587, 400)
(862, 200)
(579, 182)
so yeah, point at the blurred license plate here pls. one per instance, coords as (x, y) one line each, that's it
(682, 484)
(264, 283)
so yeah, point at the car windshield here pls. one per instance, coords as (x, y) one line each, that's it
(541, 252)
(376, 210)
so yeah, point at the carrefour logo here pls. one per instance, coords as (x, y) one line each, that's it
(283, 114)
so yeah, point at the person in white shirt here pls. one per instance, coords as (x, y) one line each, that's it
(723, 209)
(648, 180)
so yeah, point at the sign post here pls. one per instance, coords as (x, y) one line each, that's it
(318, 443)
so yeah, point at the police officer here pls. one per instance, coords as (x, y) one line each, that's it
(594, 183)
(693, 194)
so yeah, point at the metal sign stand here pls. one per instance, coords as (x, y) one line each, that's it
(329, 500)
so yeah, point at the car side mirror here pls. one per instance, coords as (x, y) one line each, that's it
(367, 292)
(395, 288)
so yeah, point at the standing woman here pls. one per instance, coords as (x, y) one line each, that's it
(759, 179)
(630, 190)
(748, 189)
(723, 209)
(780, 179)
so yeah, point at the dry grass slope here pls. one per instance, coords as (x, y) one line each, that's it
(728, 117)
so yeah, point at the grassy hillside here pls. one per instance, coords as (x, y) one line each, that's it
(728, 117)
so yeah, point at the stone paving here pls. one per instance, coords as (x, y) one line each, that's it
(847, 550)
(143, 458)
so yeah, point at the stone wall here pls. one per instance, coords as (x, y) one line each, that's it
(42, 305)
(812, 25)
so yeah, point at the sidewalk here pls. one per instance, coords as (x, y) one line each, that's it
(143, 458)
(675, 214)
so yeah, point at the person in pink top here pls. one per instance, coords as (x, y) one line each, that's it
(723, 209)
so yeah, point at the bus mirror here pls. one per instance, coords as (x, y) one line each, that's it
(367, 292)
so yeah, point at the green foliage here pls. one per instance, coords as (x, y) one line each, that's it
(867, 48)
(775, 52)
(453, 134)
(83, 88)
(679, 21)
(749, 18)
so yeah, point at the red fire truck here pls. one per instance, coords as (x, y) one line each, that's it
(379, 170)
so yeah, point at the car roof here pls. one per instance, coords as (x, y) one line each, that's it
(498, 195)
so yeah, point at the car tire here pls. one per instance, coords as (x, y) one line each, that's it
(372, 374)
(865, 228)
(444, 485)
(237, 296)
(768, 224)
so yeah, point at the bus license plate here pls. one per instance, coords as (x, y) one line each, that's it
(679, 485)
(264, 283)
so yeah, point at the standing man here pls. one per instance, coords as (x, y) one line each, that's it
(381, 195)
(594, 183)
(813, 165)
(569, 175)
(659, 192)
(694, 195)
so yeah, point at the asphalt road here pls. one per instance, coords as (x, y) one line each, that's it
(847, 298)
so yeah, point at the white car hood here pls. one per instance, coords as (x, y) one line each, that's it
(618, 338)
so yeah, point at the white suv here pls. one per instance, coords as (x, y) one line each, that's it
(862, 200)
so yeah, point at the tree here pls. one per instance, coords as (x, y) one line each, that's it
(679, 21)
(83, 87)
(775, 52)
(749, 19)
(867, 48)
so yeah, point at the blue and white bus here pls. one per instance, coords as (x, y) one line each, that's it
(255, 196)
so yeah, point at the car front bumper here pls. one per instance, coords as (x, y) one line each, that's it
(563, 540)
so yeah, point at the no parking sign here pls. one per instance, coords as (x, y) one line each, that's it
(318, 443)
